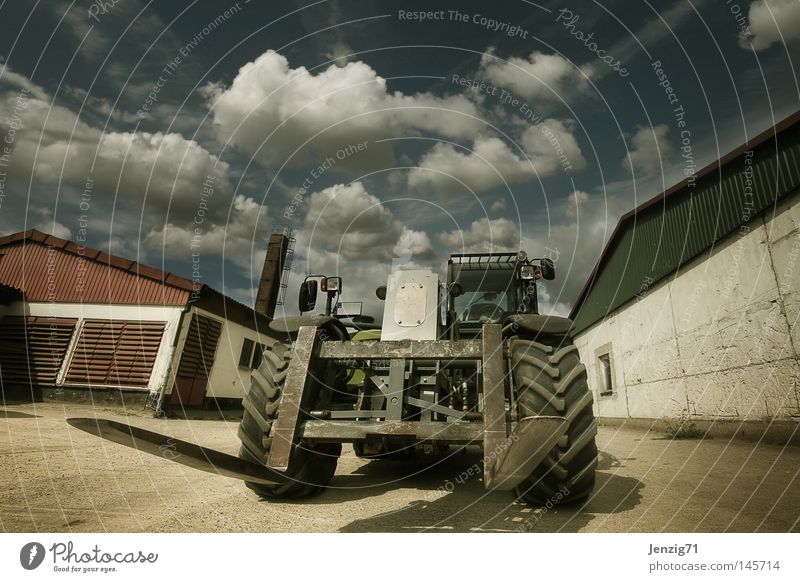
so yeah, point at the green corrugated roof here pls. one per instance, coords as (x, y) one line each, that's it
(666, 232)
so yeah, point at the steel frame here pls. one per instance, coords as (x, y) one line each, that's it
(352, 425)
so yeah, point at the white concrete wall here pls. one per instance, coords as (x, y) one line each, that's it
(719, 339)
(81, 311)
(227, 379)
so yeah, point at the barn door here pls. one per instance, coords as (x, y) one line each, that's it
(196, 362)
(114, 352)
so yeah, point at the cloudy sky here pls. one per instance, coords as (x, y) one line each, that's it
(181, 134)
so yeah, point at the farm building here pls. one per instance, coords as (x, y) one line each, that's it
(691, 313)
(75, 318)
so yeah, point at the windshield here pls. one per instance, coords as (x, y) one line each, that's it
(486, 296)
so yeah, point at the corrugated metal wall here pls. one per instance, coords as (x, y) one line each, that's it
(52, 274)
(670, 233)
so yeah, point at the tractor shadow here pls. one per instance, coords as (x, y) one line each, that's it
(467, 507)
(5, 413)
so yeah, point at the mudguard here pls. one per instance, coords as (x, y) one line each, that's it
(289, 326)
(536, 324)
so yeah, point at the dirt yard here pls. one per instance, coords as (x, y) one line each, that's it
(56, 478)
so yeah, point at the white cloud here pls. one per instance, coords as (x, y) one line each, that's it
(650, 151)
(240, 239)
(498, 205)
(489, 164)
(12, 80)
(333, 108)
(776, 21)
(541, 77)
(549, 146)
(51, 145)
(552, 146)
(348, 232)
(49, 224)
(487, 235)
(352, 222)
(576, 202)
(413, 243)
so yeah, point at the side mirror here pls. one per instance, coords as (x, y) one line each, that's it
(380, 292)
(456, 290)
(308, 295)
(548, 269)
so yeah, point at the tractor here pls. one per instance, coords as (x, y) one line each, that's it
(467, 361)
(458, 362)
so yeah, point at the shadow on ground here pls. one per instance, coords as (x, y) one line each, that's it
(4, 413)
(468, 507)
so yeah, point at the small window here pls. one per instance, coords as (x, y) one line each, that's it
(247, 353)
(257, 355)
(606, 375)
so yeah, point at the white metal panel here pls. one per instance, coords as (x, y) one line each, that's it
(411, 310)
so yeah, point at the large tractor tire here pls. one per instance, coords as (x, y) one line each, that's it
(311, 466)
(549, 380)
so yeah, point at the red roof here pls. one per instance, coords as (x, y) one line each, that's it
(49, 268)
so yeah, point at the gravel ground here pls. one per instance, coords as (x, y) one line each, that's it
(56, 478)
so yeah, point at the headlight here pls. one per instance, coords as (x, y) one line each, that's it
(331, 284)
(522, 256)
(527, 272)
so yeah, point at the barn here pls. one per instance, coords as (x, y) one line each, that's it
(78, 321)
(691, 315)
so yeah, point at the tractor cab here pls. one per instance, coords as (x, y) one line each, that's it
(486, 287)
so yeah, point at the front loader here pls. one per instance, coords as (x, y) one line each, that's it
(467, 361)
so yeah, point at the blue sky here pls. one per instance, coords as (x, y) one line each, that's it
(386, 134)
